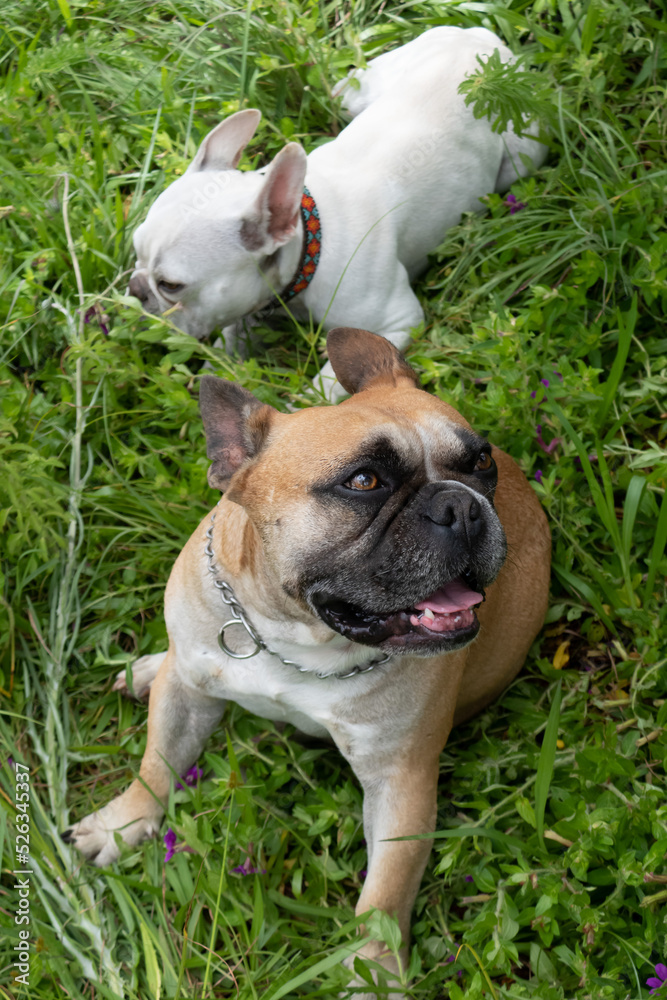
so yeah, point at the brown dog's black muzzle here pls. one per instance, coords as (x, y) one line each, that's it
(454, 509)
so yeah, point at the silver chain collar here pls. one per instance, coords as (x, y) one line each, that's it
(240, 618)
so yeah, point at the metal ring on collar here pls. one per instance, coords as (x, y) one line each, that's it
(228, 598)
(230, 652)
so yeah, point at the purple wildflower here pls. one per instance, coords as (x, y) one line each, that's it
(95, 312)
(513, 204)
(659, 979)
(452, 958)
(539, 476)
(469, 878)
(548, 448)
(545, 382)
(191, 777)
(170, 844)
(247, 869)
(455, 949)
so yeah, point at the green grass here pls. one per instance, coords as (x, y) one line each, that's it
(548, 864)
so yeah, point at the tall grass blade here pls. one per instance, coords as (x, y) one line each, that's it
(545, 765)
(657, 549)
(606, 512)
(587, 592)
(308, 970)
(626, 329)
(633, 499)
(481, 967)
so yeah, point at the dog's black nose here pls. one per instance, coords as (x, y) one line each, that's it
(139, 287)
(455, 508)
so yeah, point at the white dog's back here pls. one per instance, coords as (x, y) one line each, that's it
(417, 86)
(413, 150)
(390, 73)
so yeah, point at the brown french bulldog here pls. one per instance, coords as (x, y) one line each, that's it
(362, 548)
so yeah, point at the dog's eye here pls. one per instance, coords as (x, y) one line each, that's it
(170, 286)
(484, 462)
(363, 480)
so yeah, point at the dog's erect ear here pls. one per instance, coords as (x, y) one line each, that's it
(235, 424)
(361, 359)
(273, 219)
(222, 147)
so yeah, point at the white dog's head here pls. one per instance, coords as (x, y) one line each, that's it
(210, 245)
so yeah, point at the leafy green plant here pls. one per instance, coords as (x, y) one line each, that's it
(505, 93)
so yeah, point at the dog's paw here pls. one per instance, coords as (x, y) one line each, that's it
(144, 671)
(94, 834)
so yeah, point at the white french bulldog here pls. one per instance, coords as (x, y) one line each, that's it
(342, 232)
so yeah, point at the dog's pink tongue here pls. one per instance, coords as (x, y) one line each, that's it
(454, 596)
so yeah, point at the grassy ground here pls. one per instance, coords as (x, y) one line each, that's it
(549, 861)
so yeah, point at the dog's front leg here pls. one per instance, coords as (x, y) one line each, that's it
(180, 720)
(399, 801)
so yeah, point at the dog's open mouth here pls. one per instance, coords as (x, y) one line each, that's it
(445, 619)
